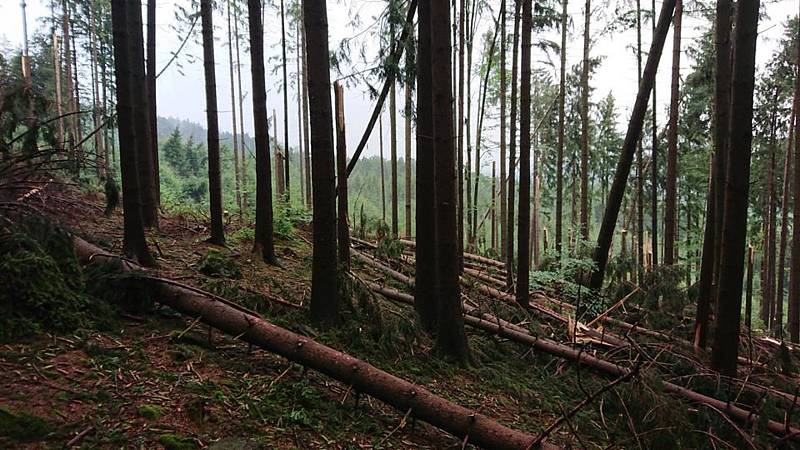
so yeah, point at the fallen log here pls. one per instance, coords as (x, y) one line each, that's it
(472, 256)
(510, 331)
(461, 422)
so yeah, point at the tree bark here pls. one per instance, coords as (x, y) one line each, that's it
(748, 304)
(794, 274)
(300, 124)
(133, 243)
(561, 124)
(512, 152)
(214, 179)
(425, 299)
(237, 185)
(584, 210)
(725, 348)
(152, 97)
(343, 230)
(407, 164)
(451, 339)
(654, 159)
(629, 146)
(285, 109)
(244, 175)
(264, 239)
(670, 221)
(324, 273)
(383, 172)
(306, 125)
(523, 227)
(787, 174)
(503, 203)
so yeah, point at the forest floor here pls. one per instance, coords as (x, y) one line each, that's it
(156, 379)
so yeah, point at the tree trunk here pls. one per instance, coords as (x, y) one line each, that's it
(561, 124)
(286, 178)
(99, 147)
(629, 146)
(343, 230)
(725, 348)
(670, 221)
(584, 225)
(151, 97)
(705, 287)
(794, 274)
(244, 175)
(503, 203)
(639, 159)
(748, 303)
(787, 174)
(300, 124)
(214, 179)
(407, 165)
(59, 100)
(462, 22)
(512, 153)
(133, 243)
(654, 159)
(383, 172)
(523, 228)
(324, 273)
(425, 299)
(451, 339)
(492, 209)
(280, 185)
(237, 185)
(141, 117)
(263, 241)
(306, 125)
(393, 155)
(768, 261)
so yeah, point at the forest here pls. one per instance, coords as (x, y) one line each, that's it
(245, 224)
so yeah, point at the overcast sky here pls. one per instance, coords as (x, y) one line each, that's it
(181, 95)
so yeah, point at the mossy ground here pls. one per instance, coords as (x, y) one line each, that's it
(155, 379)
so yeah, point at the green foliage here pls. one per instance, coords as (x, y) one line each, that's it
(285, 218)
(20, 427)
(216, 264)
(129, 290)
(150, 412)
(43, 287)
(388, 248)
(176, 442)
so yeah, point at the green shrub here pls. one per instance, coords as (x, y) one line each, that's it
(215, 264)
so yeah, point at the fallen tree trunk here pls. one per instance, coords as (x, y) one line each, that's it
(472, 256)
(464, 423)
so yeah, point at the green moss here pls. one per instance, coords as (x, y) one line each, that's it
(215, 264)
(150, 412)
(176, 442)
(23, 427)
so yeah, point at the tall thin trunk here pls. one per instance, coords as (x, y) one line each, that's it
(584, 225)
(407, 165)
(503, 203)
(425, 285)
(639, 158)
(787, 176)
(306, 126)
(324, 272)
(383, 172)
(512, 152)
(748, 305)
(285, 108)
(469, 39)
(152, 97)
(561, 124)
(71, 106)
(393, 151)
(460, 130)
(59, 99)
(300, 147)
(617, 192)
(794, 274)
(670, 221)
(141, 117)
(133, 243)
(234, 131)
(492, 208)
(244, 150)
(523, 260)
(654, 164)
(343, 230)
(263, 241)
(99, 144)
(214, 179)
(451, 339)
(768, 297)
(725, 348)
(280, 185)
